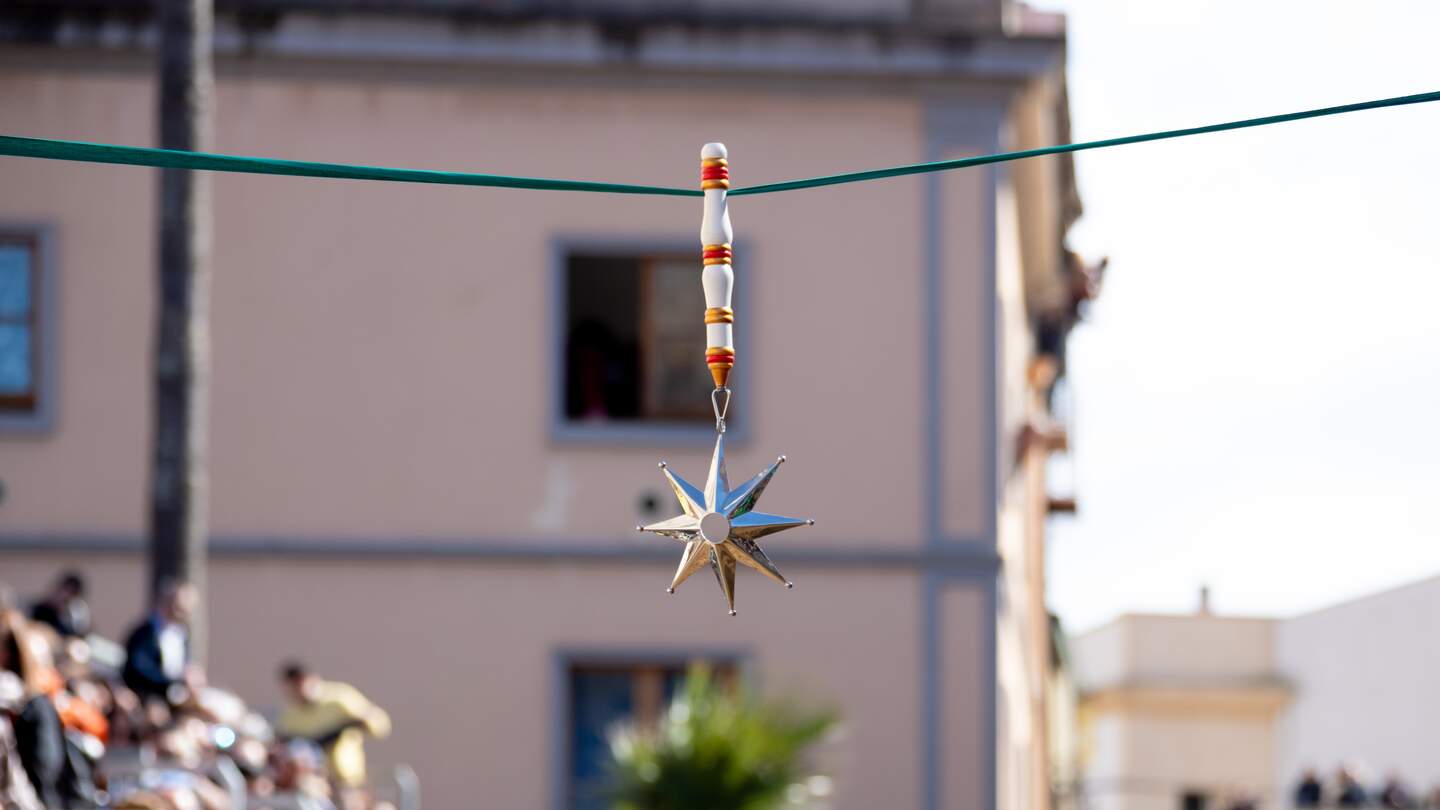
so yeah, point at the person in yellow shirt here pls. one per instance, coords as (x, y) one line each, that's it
(335, 716)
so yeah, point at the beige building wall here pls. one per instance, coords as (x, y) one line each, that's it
(317, 284)
(390, 499)
(1176, 705)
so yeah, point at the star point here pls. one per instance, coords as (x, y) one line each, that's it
(719, 525)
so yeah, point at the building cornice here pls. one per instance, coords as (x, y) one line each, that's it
(1259, 699)
(841, 48)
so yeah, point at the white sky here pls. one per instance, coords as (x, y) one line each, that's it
(1256, 392)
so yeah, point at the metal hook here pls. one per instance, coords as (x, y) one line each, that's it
(721, 407)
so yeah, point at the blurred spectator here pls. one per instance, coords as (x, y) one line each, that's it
(79, 715)
(157, 652)
(71, 733)
(1310, 792)
(336, 717)
(1352, 793)
(300, 774)
(64, 607)
(1243, 800)
(16, 792)
(1394, 795)
(39, 738)
(83, 707)
(83, 727)
(126, 716)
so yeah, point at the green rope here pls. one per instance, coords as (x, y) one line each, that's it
(981, 160)
(177, 159)
(174, 159)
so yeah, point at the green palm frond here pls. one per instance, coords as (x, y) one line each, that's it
(715, 748)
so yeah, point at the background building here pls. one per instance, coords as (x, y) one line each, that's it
(1195, 711)
(1177, 711)
(1364, 692)
(437, 410)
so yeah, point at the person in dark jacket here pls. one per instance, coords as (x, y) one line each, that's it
(157, 652)
(64, 608)
(1310, 792)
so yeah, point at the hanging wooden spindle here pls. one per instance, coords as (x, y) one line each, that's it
(717, 277)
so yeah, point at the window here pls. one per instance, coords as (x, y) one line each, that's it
(604, 695)
(634, 339)
(23, 302)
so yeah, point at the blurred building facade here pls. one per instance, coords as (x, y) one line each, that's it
(1199, 711)
(1177, 711)
(436, 411)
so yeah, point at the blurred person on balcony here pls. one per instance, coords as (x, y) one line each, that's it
(1352, 793)
(1394, 795)
(336, 717)
(1310, 792)
(157, 651)
(64, 607)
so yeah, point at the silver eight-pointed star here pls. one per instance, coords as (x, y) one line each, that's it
(720, 527)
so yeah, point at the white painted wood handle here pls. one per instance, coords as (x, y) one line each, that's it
(717, 277)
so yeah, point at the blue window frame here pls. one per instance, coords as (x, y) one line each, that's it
(26, 328)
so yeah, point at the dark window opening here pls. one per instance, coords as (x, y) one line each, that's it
(1193, 800)
(19, 324)
(635, 339)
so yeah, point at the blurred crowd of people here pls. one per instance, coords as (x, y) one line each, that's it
(89, 723)
(1348, 789)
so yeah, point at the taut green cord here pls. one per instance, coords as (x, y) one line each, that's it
(1004, 157)
(176, 159)
(173, 159)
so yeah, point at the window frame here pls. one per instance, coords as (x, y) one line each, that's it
(639, 432)
(44, 349)
(564, 660)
